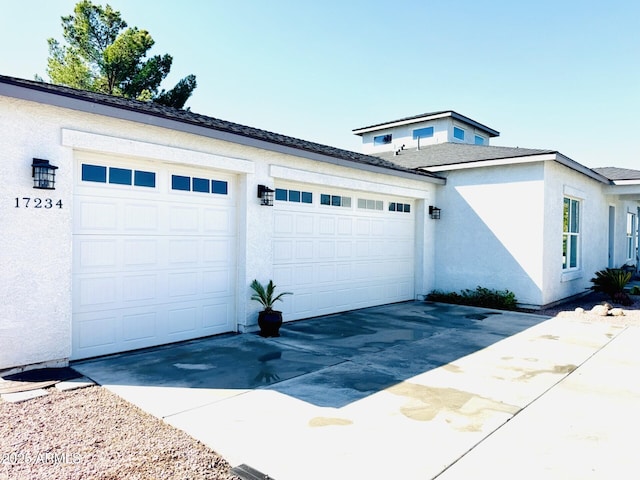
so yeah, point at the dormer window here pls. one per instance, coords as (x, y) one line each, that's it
(458, 133)
(426, 132)
(479, 140)
(382, 139)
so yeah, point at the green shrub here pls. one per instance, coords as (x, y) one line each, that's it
(611, 281)
(480, 297)
(635, 290)
(622, 298)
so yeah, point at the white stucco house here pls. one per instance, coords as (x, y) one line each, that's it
(533, 221)
(154, 228)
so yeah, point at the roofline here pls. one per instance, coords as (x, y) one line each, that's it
(68, 99)
(423, 117)
(536, 157)
(578, 167)
(631, 190)
(491, 162)
(626, 182)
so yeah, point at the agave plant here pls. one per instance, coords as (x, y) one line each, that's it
(266, 295)
(612, 281)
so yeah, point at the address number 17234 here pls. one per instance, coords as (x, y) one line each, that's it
(31, 202)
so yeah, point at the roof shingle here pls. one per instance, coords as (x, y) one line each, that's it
(443, 154)
(616, 173)
(186, 116)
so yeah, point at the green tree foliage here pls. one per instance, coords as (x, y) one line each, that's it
(102, 55)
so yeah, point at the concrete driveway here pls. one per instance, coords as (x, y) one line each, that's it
(412, 390)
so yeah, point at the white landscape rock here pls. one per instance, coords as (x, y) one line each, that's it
(602, 310)
(617, 312)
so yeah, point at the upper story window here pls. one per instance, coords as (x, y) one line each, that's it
(571, 234)
(382, 139)
(426, 132)
(479, 140)
(458, 133)
(631, 228)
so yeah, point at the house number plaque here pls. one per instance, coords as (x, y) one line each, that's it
(35, 202)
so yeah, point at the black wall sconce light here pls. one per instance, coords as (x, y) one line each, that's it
(434, 212)
(265, 194)
(44, 174)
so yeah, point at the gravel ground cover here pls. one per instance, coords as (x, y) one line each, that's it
(568, 310)
(91, 433)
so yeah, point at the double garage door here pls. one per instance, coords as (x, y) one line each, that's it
(155, 258)
(154, 255)
(339, 250)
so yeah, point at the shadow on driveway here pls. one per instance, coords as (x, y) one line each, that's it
(327, 361)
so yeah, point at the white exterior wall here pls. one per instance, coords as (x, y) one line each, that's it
(36, 244)
(403, 135)
(622, 206)
(501, 228)
(491, 231)
(561, 181)
(35, 249)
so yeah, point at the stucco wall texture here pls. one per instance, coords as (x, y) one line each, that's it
(36, 251)
(500, 227)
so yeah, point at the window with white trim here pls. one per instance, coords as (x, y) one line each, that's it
(335, 200)
(382, 139)
(117, 176)
(571, 234)
(631, 228)
(296, 196)
(426, 132)
(202, 185)
(458, 133)
(370, 204)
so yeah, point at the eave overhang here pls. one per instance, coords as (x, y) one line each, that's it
(543, 157)
(423, 118)
(122, 112)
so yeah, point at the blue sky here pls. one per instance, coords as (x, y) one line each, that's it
(561, 74)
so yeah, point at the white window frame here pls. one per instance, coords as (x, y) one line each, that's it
(382, 139)
(416, 134)
(631, 229)
(571, 233)
(455, 127)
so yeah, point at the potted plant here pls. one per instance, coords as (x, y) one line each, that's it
(269, 319)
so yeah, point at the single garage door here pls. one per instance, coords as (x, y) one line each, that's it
(340, 250)
(154, 254)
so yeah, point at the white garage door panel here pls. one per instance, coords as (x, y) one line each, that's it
(151, 266)
(341, 258)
